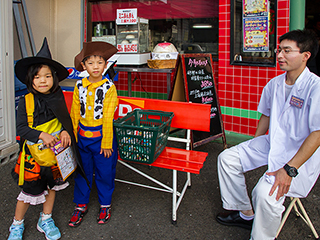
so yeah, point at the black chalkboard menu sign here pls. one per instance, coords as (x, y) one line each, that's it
(200, 87)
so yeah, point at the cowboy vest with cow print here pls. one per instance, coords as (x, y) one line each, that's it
(98, 100)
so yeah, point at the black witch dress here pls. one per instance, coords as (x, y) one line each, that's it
(47, 107)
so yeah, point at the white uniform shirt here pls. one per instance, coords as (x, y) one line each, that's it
(291, 122)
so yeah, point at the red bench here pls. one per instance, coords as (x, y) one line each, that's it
(189, 116)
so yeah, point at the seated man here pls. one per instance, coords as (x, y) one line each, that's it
(290, 108)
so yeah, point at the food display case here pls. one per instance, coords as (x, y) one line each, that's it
(132, 43)
(133, 38)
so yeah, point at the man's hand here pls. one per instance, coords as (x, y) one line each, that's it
(106, 152)
(282, 181)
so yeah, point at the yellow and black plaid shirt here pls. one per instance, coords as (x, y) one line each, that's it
(109, 105)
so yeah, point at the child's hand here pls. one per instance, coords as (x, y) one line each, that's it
(48, 139)
(65, 139)
(106, 152)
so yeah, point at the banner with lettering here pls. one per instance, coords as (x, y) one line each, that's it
(127, 16)
(127, 48)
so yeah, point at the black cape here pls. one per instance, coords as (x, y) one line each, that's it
(56, 102)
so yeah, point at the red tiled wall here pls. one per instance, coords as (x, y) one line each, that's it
(241, 86)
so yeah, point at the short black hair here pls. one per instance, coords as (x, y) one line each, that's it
(33, 71)
(306, 40)
(86, 58)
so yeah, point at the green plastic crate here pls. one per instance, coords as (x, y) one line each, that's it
(142, 134)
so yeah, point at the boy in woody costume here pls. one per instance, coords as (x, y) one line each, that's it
(92, 112)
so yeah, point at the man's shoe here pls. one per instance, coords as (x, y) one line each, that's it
(77, 216)
(104, 215)
(48, 228)
(233, 219)
(16, 232)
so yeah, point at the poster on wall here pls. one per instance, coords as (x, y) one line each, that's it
(255, 34)
(255, 26)
(255, 8)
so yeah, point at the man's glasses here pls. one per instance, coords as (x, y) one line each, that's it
(286, 50)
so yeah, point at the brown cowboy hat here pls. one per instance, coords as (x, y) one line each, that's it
(103, 49)
(42, 57)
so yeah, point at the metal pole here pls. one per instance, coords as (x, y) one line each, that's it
(22, 42)
(297, 14)
(30, 35)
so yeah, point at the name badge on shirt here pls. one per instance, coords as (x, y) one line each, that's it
(297, 102)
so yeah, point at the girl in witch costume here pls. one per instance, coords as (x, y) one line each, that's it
(50, 119)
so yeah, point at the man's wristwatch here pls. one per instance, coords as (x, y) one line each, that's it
(292, 171)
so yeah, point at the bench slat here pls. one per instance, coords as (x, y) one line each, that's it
(174, 164)
(184, 155)
(181, 160)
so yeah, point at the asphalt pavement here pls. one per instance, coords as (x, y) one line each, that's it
(140, 213)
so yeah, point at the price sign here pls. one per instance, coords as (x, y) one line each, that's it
(127, 16)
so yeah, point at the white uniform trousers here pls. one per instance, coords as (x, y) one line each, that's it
(234, 195)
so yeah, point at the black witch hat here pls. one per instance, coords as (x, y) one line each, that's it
(42, 57)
